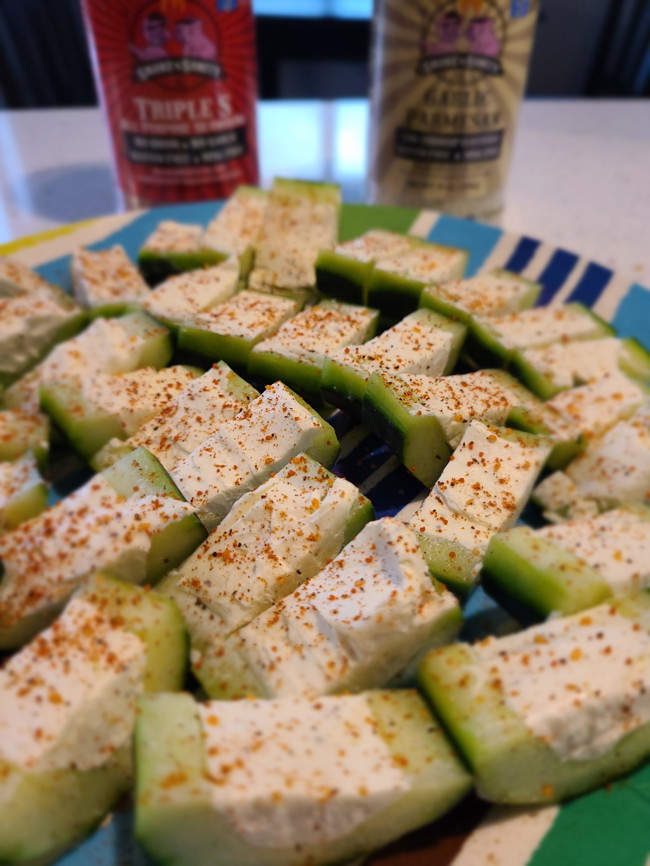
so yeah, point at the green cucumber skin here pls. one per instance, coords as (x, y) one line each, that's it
(343, 278)
(86, 433)
(70, 328)
(342, 387)
(636, 360)
(539, 575)
(234, 351)
(394, 295)
(178, 825)
(540, 385)
(156, 267)
(510, 764)
(451, 563)
(30, 503)
(301, 376)
(562, 452)
(418, 441)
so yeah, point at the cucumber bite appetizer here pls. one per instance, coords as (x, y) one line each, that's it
(246, 637)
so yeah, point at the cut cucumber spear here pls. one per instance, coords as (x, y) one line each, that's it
(553, 711)
(67, 710)
(381, 767)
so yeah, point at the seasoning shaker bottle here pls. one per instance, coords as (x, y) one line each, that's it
(447, 81)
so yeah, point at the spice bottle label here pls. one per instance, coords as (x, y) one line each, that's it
(178, 86)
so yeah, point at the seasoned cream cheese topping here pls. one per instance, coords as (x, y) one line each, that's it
(291, 770)
(616, 544)
(16, 278)
(185, 295)
(68, 699)
(416, 344)
(427, 263)
(543, 325)
(375, 244)
(29, 324)
(192, 416)
(579, 683)
(354, 625)
(295, 228)
(173, 237)
(616, 467)
(248, 315)
(245, 451)
(493, 294)
(238, 223)
(595, 407)
(105, 277)
(273, 539)
(436, 518)
(21, 431)
(489, 477)
(576, 362)
(317, 331)
(92, 528)
(133, 398)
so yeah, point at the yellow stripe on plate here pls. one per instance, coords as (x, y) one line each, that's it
(41, 237)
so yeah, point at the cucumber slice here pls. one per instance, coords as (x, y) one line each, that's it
(21, 432)
(32, 324)
(594, 408)
(18, 279)
(95, 409)
(544, 420)
(553, 369)
(481, 491)
(492, 341)
(396, 282)
(327, 638)
(107, 346)
(71, 790)
(216, 396)
(273, 540)
(574, 565)
(561, 746)
(534, 571)
(300, 219)
(106, 281)
(296, 352)
(23, 493)
(137, 539)
(344, 272)
(229, 332)
(188, 821)
(495, 293)
(249, 448)
(236, 228)
(422, 417)
(422, 343)
(173, 248)
(183, 296)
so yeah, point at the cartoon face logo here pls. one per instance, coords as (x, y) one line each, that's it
(482, 38)
(445, 33)
(155, 34)
(189, 33)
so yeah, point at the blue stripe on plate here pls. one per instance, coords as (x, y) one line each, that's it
(132, 236)
(591, 285)
(632, 318)
(522, 254)
(555, 275)
(477, 238)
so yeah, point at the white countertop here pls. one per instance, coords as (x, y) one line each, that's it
(580, 176)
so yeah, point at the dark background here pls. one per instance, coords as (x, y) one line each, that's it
(319, 49)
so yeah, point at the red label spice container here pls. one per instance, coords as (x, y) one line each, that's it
(178, 85)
